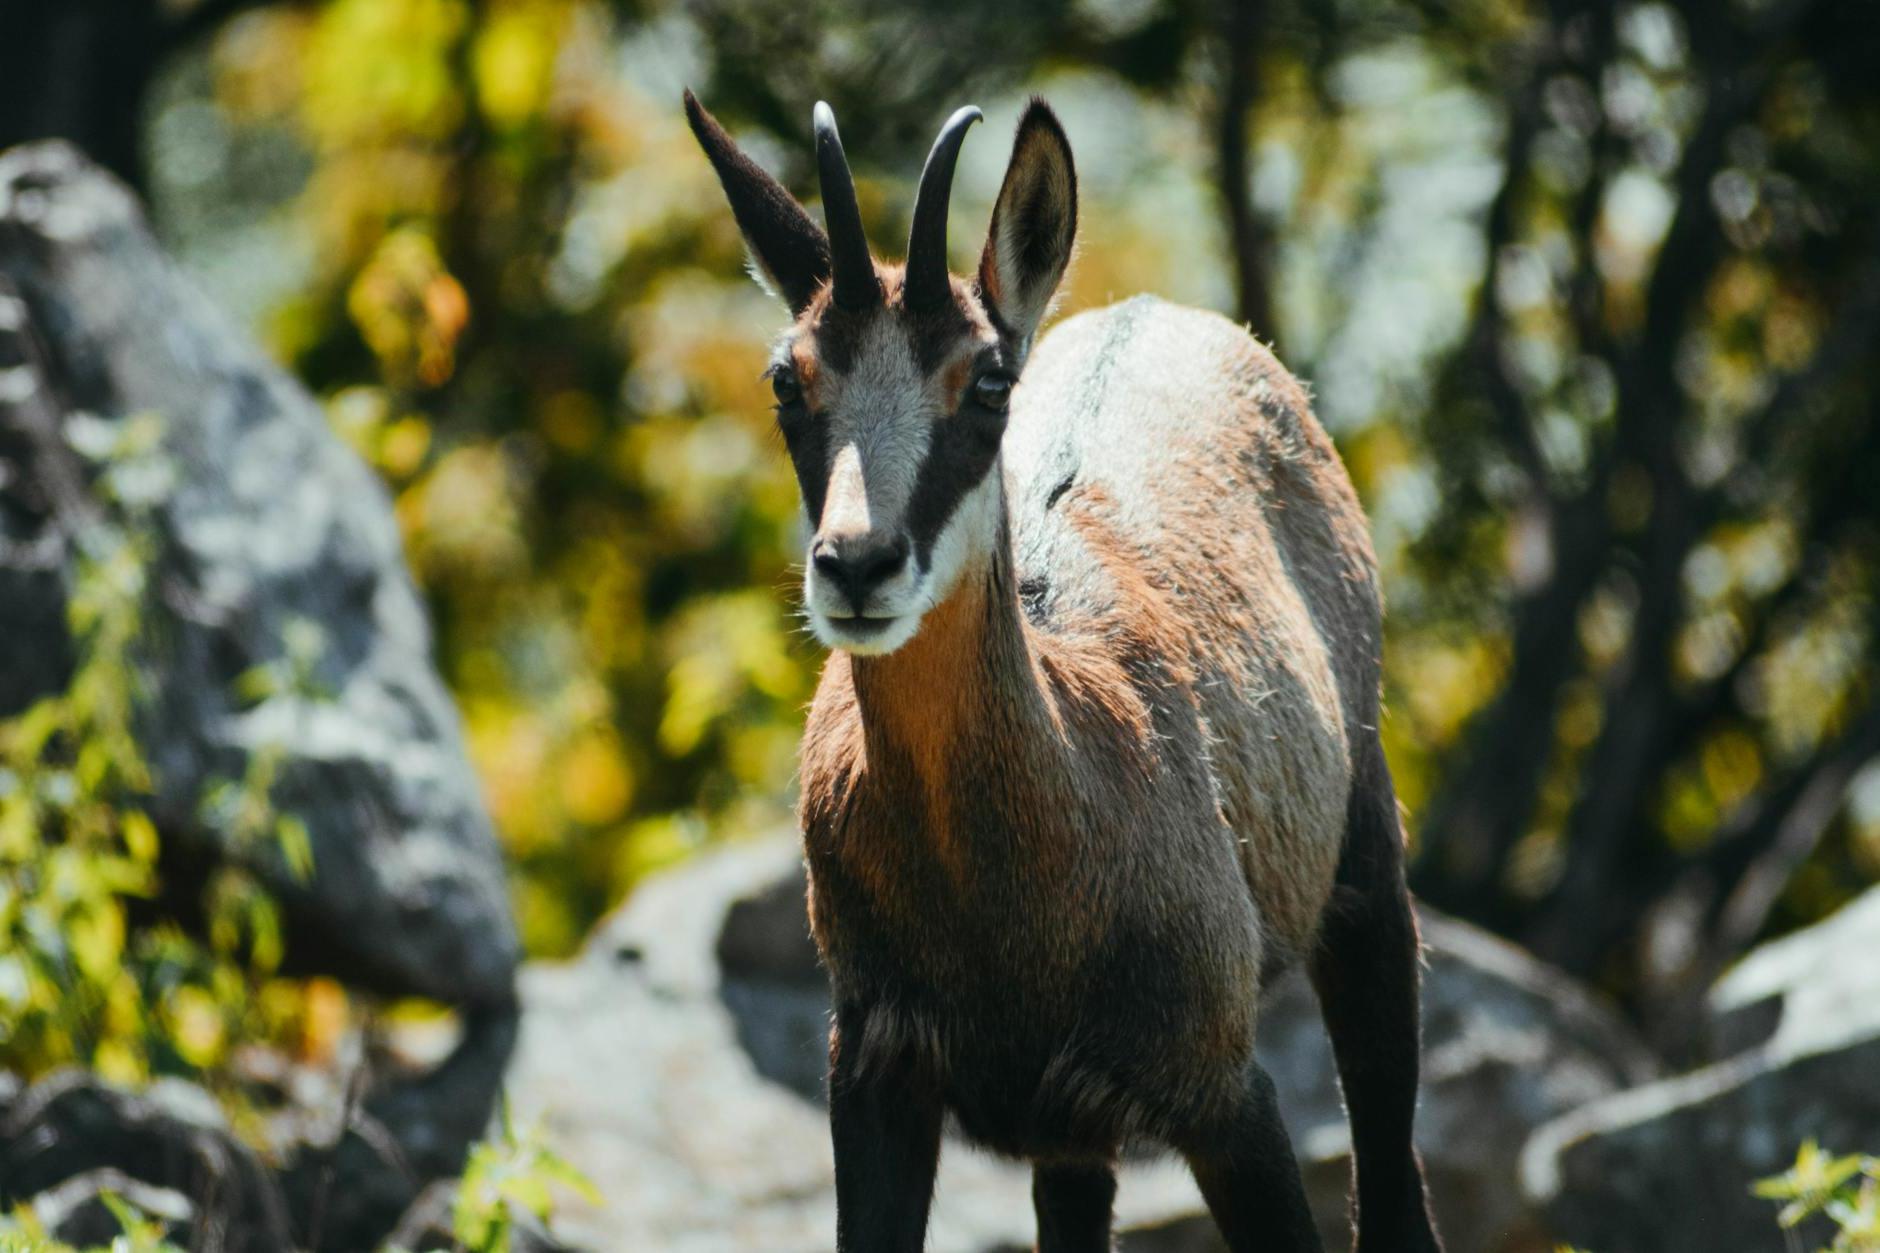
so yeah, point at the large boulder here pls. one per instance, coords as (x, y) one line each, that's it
(1669, 1166)
(265, 528)
(1790, 987)
(679, 1060)
(337, 1174)
(261, 529)
(1508, 1044)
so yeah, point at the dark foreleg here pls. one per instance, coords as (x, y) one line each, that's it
(1244, 1164)
(1365, 971)
(886, 1129)
(1073, 1201)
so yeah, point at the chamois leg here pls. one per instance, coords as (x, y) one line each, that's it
(1249, 1178)
(1073, 1202)
(886, 1130)
(1365, 971)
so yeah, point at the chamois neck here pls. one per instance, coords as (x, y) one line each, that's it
(968, 672)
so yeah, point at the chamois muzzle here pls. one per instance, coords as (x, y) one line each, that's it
(859, 564)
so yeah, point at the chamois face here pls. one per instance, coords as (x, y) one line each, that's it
(893, 420)
(893, 383)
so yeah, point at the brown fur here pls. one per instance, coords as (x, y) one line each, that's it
(1097, 745)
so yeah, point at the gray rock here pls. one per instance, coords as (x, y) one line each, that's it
(1668, 1167)
(75, 1211)
(336, 1177)
(1821, 975)
(266, 522)
(630, 1061)
(679, 1061)
(70, 1131)
(1508, 1044)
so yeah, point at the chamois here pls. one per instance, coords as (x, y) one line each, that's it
(1095, 751)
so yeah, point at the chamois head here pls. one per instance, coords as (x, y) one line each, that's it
(893, 382)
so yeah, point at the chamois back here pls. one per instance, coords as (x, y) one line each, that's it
(1167, 443)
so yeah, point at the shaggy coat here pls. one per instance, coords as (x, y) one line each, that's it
(1095, 751)
(1057, 838)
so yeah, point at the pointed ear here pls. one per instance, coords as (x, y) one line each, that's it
(1034, 224)
(790, 248)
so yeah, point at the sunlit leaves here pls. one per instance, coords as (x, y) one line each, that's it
(510, 1175)
(409, 309)
(374, 67)
(513, 59)
(78, 984)
(1846, 1190)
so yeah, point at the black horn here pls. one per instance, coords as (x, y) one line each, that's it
(856, 286)
(927, 283)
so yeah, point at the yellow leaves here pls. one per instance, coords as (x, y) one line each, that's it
(396, 446)
(258, 59)
(117, 1062)
(379, 69)
(305, 1019)
(409, 309)
(1444, 683)
(1699, 796)
(140, 837)
(94, 936)
(510, 746)
(513, 58)
(403, 445)
(1732, 767)
(463, 517)
(193, 1021)
(727, 646)
(596, 778)
(694, 469)
(655, 843)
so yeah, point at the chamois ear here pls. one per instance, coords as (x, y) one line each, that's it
(789, 247)
(1034, 224)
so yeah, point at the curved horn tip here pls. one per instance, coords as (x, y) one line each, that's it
(927, 284)
(965, 115)
(823, 118)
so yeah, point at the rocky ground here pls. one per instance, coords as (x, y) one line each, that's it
(677, 1059)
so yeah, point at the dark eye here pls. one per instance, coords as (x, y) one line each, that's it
(993, 391)
(787, 389)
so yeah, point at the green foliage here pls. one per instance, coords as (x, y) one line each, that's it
(21, 1232)
(508, 1176)
(79, 984)
(1844, 1190)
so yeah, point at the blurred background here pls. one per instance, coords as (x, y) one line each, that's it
(1588, 294)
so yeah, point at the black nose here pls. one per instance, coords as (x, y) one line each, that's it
(857, 565)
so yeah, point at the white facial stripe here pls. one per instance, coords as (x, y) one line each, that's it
(845, 505)
(883, 408)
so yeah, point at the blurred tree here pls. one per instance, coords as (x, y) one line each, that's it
(1586, 289)
(81, 70)
(1660, 415)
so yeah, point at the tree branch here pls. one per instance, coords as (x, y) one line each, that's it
(1250, 238)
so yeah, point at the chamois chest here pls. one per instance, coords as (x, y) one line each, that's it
(1027, 932)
